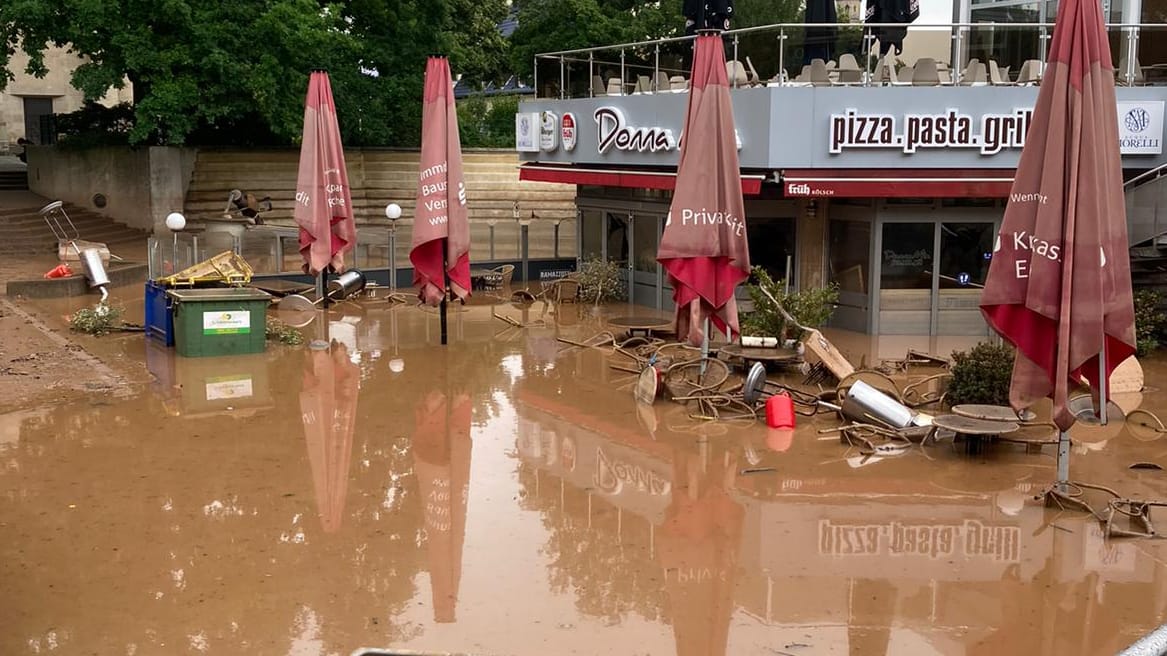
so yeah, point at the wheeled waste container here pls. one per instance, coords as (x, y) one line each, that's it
(210, 322)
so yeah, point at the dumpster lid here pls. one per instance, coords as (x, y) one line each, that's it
(225, 294)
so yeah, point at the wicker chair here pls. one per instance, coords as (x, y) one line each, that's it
(500, 277)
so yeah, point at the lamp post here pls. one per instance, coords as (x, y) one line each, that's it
(393, 212)
(175, 221)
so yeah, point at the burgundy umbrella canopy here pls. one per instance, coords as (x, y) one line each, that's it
(704, 247)
(324, 206)
(441, 230)
(328, 406)
(1059, 285)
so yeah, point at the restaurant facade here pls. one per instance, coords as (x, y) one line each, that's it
(894, 193)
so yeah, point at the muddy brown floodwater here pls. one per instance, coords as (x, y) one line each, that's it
(503, 495)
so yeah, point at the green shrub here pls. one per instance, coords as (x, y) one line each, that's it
(981, 375)
(809, 307)
(1150, 321)
(601, 282)
(100, 320)
(283, 333)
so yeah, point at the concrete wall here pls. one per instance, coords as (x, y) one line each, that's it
(56, 85)
(141, 186)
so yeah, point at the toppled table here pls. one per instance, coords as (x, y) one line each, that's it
(975, 431)
(1000, 413)
(641, 324)
(764, 355)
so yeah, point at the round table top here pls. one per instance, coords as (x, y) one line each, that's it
(642, 323)
(759, 354)
(986, 412)
(971, 426)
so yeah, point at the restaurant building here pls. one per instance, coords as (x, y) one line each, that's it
(892, 191)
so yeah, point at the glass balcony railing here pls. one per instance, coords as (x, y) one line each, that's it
(846, 54)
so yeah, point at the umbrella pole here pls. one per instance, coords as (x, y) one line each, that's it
(445, 291)
(704, 348)
(1103, 382)
(1063, 463)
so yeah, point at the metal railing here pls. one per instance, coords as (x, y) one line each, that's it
(1005, 54)
(274, 249)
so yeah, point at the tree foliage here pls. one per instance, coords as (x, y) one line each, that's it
(236, 72)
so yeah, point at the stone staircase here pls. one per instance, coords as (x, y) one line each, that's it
(380, 176)
(23, 230)
(13, 180)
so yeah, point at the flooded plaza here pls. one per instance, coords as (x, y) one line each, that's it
(506, 495)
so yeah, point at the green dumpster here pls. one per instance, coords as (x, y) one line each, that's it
(228, 321)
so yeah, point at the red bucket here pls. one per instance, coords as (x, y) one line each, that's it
(780, 411)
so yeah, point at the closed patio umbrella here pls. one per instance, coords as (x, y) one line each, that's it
(324, 206)
(1059, 285)
(440, 247)
(819, 42)
(891, 11)
(704, 247)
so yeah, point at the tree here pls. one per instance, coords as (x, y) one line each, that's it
(206, 71)
(552, 25)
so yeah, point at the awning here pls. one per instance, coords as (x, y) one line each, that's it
(613, 177)
(897, 183)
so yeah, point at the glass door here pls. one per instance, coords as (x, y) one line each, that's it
(965, 251)
(907, 256)
(646, 272)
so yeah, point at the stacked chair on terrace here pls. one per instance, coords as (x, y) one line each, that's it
(1030, 73)
(925, 73)
(678, 83)
(615, 87)
(820, 75)
(598, 86)
(661, 82)
(997, 76)
(974, 74)
(736, 73)
(849, 71)
(643, 84)
(755, 79)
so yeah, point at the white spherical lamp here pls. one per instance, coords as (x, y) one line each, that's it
(175, 221)
(393, 211)
(397, 365)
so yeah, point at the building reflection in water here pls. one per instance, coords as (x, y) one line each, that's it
(907, 555)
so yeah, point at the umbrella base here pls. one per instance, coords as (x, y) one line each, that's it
(1071, 494)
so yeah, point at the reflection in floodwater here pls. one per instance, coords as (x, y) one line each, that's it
(441, 455)
(181, 520)
(328, 406)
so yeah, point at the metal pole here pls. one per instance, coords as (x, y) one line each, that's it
(555, 249)
(591, 74)
(781, 56)
(445, 289)
(492, 242)
(393, 258)
(562, 83)
(525, 236)
(704, 347)
(621, 72)
(736, 63)
(1063, 462)
(534, 80)
(655, 74)
(1103, 383)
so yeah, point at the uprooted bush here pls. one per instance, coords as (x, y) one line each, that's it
(600, 282)
(809, 307)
